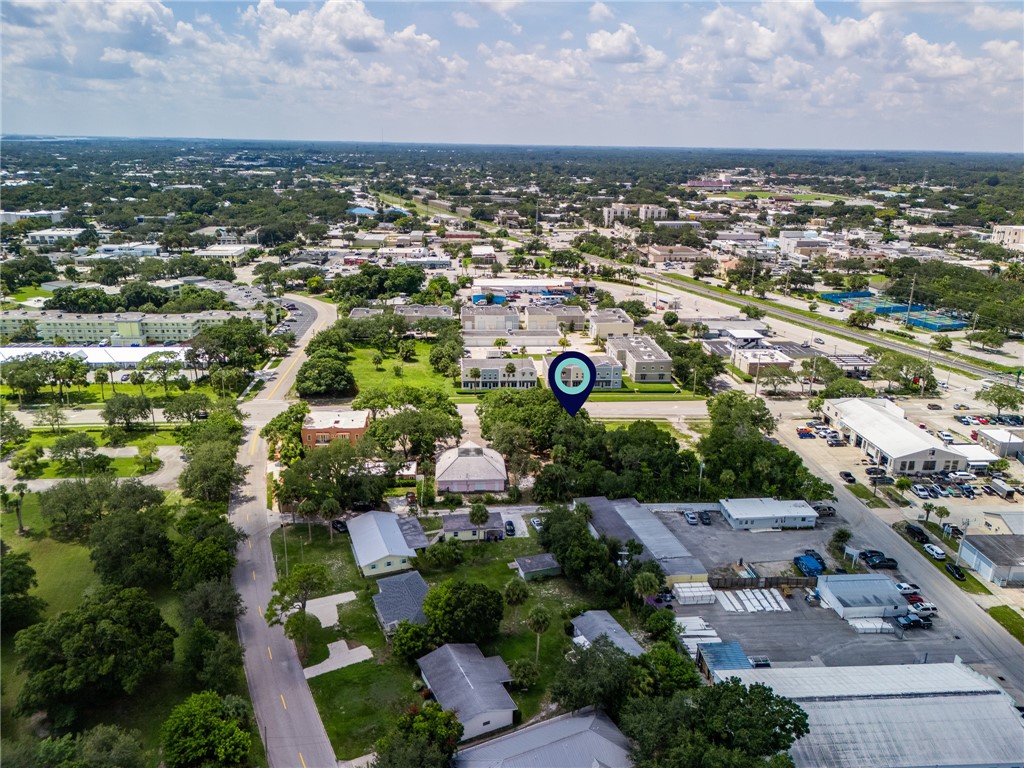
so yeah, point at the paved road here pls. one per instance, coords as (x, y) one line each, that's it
(996, 651)
(290, 725)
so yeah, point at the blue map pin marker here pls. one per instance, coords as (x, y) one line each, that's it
(572, 396)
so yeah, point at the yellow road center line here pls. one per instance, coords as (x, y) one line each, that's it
(269, 653)
(302, 760)
(282, 377)
(252, 446)
(254, 574)
(261, 609)
(282, 702)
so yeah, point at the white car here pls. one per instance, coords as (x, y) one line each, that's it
(934, 551)
(536, 523)
(920, 491)
(924, 609)
(961, 477)
(907, 589)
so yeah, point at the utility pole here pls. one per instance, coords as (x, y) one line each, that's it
(964, 522)
(910, 303)
(814, 367)
(285, 534)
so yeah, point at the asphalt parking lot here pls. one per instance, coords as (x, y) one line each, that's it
(795, 350)
(815, 634)
(302, 322)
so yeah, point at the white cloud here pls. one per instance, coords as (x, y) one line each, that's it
(623, 47)
(599, 12)
(1002, 17)
(464, 20)
(566, 35)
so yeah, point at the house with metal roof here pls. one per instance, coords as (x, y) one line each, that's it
(997, 558)
(470, 468)
(584, 739)
(400, 599)
(537, 566)
(459, 526)
(898, 716)
(591, 625)
(625, 519)
(379, 543)
(473, 687)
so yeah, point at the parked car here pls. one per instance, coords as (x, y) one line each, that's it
(883, 480)
(906, 588)
(932, 492)
(914, 599)
(952, 530)
(818, 340)
(848, 476)
(934, 407)
(867, 554)
(339, 526)
(835, 442)
(691, 518)
(125, 377)
(823, 509)
(536, 523)
(925, 609)
(961, 407)
(956, 572)
(910, 621)
(880, 563)
(920, 491)
(939, 489)
(937, 552)
(917, 534)
(815, 556)
(874, 471)
(705, 517)
(510, 528)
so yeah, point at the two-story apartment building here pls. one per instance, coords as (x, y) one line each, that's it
(610, 324)
(324, 427)
(495, 373)
(643, 360)
(554, 318)
(490, 318)
(608, 372)
(414, 312)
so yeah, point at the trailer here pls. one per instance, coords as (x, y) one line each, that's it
(1002, 488)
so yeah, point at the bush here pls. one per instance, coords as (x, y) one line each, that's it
(515, 494)
(525, 673)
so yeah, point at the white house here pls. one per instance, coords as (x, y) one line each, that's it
(470, 468)
(472, 686)
(767, 514)
(379, 543)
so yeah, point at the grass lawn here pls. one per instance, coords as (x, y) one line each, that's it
(274, 362)
(862, 493)
(121, 466)
(358, 703)
(30, 292)
(163, 435)
(1011, 620)
(629, 384)
(415, 373)
(972, 585)
(618, 397)
(92, 394)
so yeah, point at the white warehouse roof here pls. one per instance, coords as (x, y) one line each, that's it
(882, 424)
(93, 355)
(767, 508)
(898, 716)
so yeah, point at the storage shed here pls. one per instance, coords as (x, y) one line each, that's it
(537, 566)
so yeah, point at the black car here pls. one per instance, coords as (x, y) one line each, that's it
(956, 571)
(812, 554)
(705, 517)
(339, 526)
(510, 528)
(917, 534)
(867, 554)
(874, 471)
(883, 480)
(848, 476)
(883, 562)
(934, 407)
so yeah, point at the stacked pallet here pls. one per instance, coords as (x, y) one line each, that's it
(694, 593)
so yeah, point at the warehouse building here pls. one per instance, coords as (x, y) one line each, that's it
(862, 596)
(767, 514)
(999, 558)
(625, 519)
(898, 716)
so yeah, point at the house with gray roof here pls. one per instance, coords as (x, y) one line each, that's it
(473, 687)
(360, 313)
(584, 739)
(380, 545)
(470, 468)
(459, 526)
(537, 566)
(589, 626)
(400, 599)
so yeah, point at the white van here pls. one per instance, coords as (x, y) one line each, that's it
(946, 437)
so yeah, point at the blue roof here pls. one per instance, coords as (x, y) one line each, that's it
(396, 209)
(719, 656)
(361, 211)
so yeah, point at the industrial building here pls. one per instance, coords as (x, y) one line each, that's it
(589, 627)
(767, 514)
(862, 596)
(998, 558)
(625, 519)
(898, 716)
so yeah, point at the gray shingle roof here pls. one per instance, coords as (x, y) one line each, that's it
(593, 624)
(534, 563)
(461, 522)
(376, 535)
(465, 682)
(470, 462)
(413, 533)
(401, 598)
(579, 740)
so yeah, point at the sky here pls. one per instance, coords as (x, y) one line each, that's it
(876, 74)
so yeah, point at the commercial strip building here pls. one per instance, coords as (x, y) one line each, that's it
(996, 558)
(754, 361)
(625, 519)
(124, 358)
(119, 329)
(767, 514)
(898, 715)
(490, 318)
(553, 319)
(880, 429)
(641, 357)
(324, 427)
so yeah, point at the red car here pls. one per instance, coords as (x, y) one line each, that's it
(914, 599)
(982, 420)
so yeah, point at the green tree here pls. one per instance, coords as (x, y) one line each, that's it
(138, 378)
(424, 737)
(204, 731)
(670, 318)
(211, 659)
(458, 611)
(1002, 396)
(861, 318)
(646, 585)
(775, 377)
(410, 641)
(903, 484)
(164, 367)
(215, 602)
(478, 516)
(147, 450)
(108, 746)
(189, 407)
(126, 411)
(68, 658)
(325, 373)
(131, 548)
(597, 676)
(941, 513)
(928, 508)
(211, 472)
(18, 608)
(101, 377)
(942, 343)
(74, 449)
(538, 620)
(516, 593)
(52, 416)
(840, 538)
(293, 592)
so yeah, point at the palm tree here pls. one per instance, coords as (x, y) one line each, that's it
(538, 621)
(21, 489)
(510, 370)
(928, 508)
(564, 343)
(138, 378)
(307, 509)
(101, 377)
(516, 593)
(645, 585)
(329, 510)
(478, 516)
(474, 374)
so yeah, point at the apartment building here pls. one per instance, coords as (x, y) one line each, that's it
(608, 372)
(642, 359)
(119, 329)
(324, 427)
(1009, 236)
(618, 211)
(552, 319)
(490, 318)
(610, 324)
(414, 312)
(496, 373)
